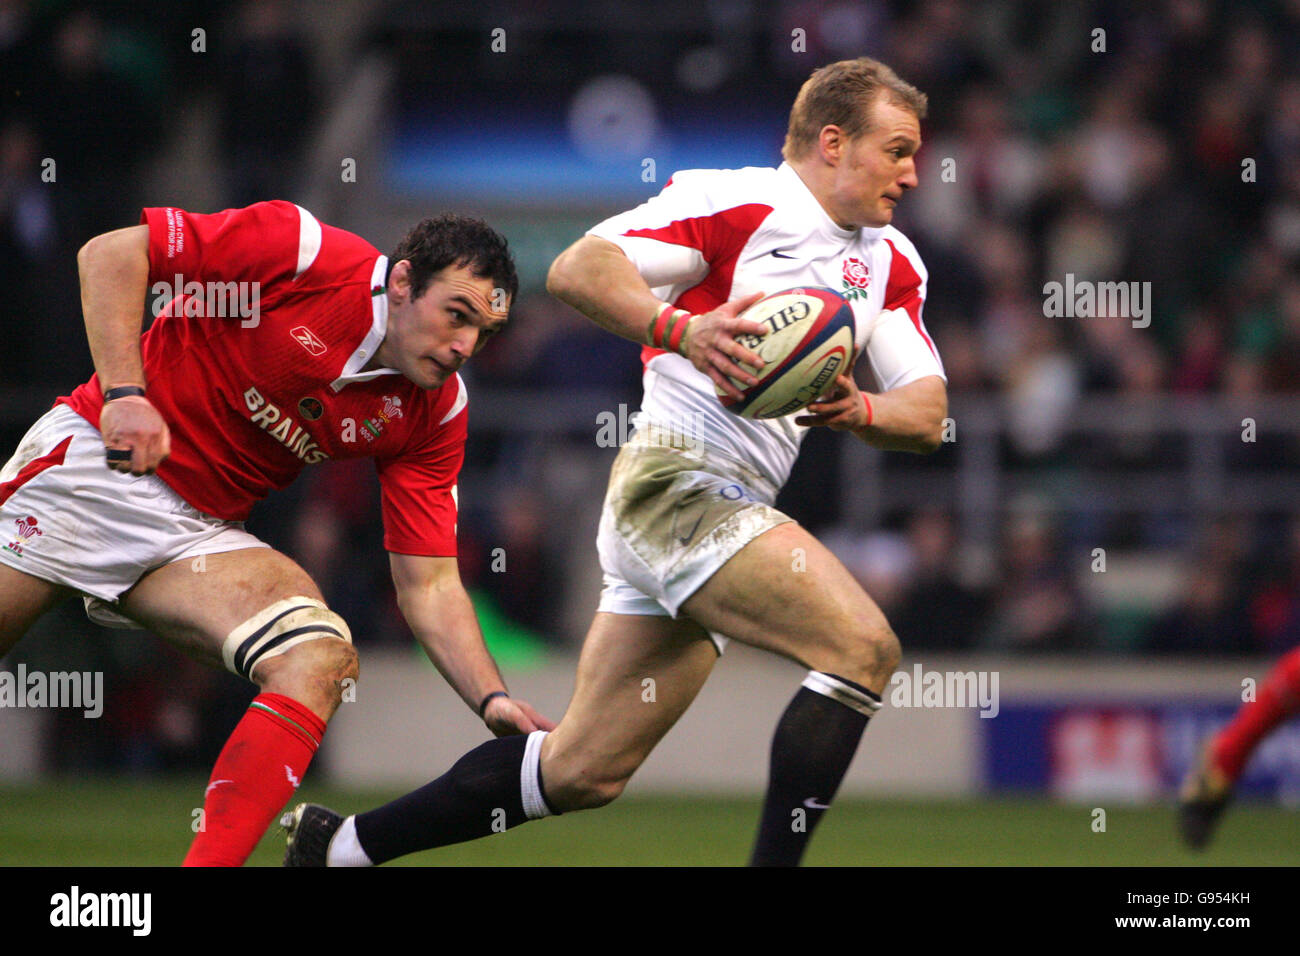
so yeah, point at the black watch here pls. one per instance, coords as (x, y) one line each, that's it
(122, 391)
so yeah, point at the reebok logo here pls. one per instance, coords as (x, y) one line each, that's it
(307, 339)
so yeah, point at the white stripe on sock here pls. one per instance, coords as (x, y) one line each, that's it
(530, 774)
(345, 848)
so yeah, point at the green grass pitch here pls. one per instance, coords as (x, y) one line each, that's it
(127, 823)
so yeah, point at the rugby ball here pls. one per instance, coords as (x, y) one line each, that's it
(808, 342)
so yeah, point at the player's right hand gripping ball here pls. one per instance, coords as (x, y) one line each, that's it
(809, 341)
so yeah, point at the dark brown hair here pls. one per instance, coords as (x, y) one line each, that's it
(434, 244)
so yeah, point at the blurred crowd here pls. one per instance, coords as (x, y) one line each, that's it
(1171, 158)
(92, 93)
(1110, 141)
(1235, 589)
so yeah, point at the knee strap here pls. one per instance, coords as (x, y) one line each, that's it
(851, 695)
(276, 629)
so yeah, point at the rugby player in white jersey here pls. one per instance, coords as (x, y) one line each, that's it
(281, 341)
(692, 549)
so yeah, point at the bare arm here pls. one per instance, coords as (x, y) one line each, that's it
(114, 270)
(596, 278)
(907, 418)
(441, 615)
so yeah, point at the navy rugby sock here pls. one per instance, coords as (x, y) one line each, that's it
(814, 743)
(492, 788)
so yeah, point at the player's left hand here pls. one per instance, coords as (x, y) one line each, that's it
(508, 715)
(841, 409)
(136, 437)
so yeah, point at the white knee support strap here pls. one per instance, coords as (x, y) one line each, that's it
(276, 629)
(836, 689)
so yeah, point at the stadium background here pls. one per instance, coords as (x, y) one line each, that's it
(1170, 157)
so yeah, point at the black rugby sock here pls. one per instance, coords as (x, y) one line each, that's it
(814, 743)
(481, 794)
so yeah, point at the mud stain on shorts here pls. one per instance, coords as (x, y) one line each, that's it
(666, 505)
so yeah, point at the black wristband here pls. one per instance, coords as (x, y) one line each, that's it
(122, 391)
(482, 707)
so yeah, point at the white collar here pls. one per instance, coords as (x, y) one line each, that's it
(378, 329)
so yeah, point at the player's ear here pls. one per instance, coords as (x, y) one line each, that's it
(831, 143)
(399, 279)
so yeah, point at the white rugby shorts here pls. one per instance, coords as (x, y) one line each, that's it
(672, 517)
(77, 523)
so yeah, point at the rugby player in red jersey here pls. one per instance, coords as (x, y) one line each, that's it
(1208, 787)
(692, 549)
(279, 342)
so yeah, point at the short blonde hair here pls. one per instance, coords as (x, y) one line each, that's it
(842, 94)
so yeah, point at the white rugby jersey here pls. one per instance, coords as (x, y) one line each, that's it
(713, 235)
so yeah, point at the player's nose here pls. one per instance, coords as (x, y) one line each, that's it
(462, 344)
(908, 179)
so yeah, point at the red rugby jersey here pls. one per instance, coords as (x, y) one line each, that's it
(267, 316)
